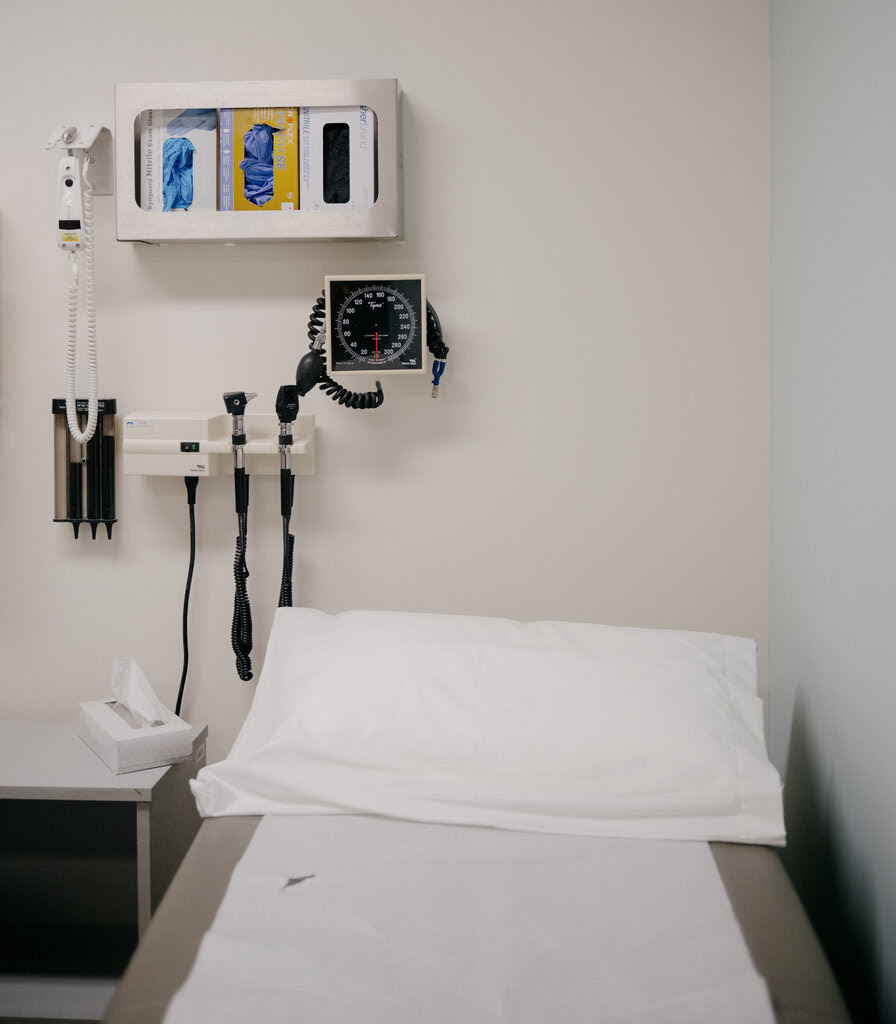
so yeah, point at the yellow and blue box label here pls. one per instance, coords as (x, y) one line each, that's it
(259, 158)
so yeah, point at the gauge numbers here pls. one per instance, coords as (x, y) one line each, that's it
(376, 324)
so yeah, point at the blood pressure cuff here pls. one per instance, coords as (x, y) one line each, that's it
(258, 165)
(177, 174)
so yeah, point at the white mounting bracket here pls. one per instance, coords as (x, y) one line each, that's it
(199, 444)
(94, 143)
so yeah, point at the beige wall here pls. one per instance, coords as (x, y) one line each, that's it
(586, 188)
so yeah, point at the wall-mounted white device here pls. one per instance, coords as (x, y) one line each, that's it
(75, 188)
(200, 444)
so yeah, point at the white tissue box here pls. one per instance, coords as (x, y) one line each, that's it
(123, 745)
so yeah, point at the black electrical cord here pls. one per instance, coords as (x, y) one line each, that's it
(286, 579)
(287, 407)
(241, 628)
(191, 482)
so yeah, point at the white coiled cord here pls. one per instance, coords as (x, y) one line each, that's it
(90, 313)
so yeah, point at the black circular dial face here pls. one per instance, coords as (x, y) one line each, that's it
(376, 325)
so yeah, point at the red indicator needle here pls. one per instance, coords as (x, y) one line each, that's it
(376, 337)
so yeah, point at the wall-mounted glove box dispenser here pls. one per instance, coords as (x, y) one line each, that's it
(258, 161)
(199, 444)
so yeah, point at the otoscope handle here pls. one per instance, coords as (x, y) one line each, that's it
(241, 489)
(287, 489)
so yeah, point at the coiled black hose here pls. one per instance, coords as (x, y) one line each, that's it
(434, 341)
(241, 628)
(340, 394)
(286, 578)
(316, 320)
(352, 399)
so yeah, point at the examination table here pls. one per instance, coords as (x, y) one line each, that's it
(529, 771)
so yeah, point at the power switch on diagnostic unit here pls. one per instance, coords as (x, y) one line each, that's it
(189, 446)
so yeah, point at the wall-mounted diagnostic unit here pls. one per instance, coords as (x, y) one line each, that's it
(84, 429)
(200, 443)
(193, 445)
(360, 324)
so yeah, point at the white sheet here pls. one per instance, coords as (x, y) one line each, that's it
(401, 923)
(544, 726)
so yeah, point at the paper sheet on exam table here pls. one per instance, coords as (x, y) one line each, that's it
(447, 924)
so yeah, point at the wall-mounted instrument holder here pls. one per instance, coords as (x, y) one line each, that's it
(200, 444)
(92, 143)
(195, 444)
(85, 473)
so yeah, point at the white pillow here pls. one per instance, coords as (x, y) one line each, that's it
(543, 726)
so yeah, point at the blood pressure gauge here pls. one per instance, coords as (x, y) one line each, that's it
(376, 324)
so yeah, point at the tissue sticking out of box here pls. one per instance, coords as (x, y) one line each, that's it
(134, 697)
(134, 730)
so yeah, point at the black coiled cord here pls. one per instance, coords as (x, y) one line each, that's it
(241, 629)
(434, 342)
(286, 579)
(316, 320)
(340, 394)
(352, 399)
